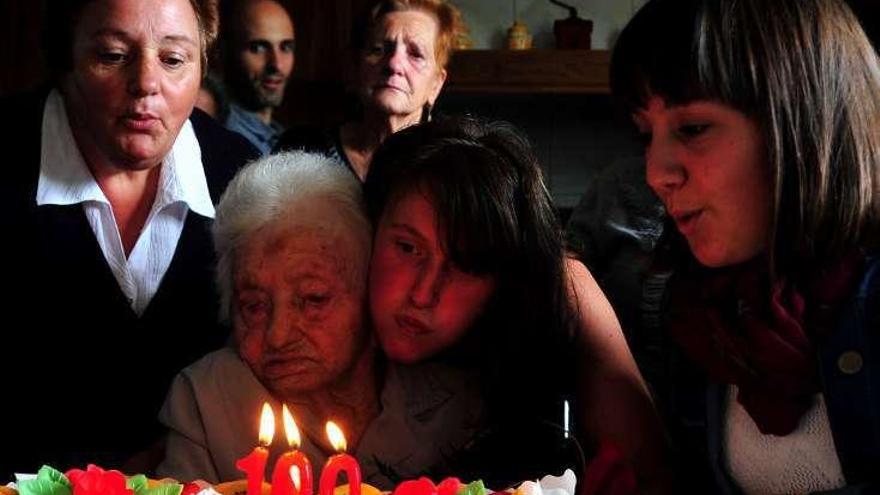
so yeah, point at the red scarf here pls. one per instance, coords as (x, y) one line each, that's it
(761, 337)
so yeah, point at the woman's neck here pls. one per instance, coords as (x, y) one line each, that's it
(131, 194)
(360, 139)
(130, 188)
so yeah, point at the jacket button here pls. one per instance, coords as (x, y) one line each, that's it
(850, 362)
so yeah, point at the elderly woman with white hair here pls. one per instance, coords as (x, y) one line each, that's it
(293, 247)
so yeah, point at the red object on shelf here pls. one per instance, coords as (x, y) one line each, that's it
(573, 33)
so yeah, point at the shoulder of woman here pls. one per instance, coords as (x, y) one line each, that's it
(216, 387)
(218, 366)
(223, 152)
(210, 132)
(307, 137)
(598, 330)
(583, 290)
(217, 374)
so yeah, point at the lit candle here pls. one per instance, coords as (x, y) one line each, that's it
(254, 464)
(337, 463)
(293, 471)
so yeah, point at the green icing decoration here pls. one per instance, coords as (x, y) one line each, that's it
(163, 489)
(137, 483)
(55, 475)
(48, 482)
(473, 488)
(42, 487)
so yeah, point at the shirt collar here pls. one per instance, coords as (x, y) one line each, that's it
(65, 179)
(425, 386)
(253, 122)
(183, 175)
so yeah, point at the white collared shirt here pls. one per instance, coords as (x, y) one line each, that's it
(65, 179)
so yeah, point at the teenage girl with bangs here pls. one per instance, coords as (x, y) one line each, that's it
(469, 270)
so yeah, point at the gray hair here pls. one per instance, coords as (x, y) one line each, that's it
(283, 190)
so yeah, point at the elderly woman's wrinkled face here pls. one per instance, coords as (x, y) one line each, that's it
(135, 77)
(399, 71)
(297, 309)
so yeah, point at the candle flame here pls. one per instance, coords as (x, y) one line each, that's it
(334, 434)
(267, 425)
(290, 429)
(295, 477)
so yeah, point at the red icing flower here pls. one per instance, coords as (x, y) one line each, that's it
(190, 488)
(96, 481)
(421, 486)
(424, 486)
(449, 486)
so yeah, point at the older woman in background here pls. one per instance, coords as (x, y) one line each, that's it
(402, 50)
(293, 244)
(109, 195)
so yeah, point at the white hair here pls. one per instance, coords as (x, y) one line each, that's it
(305, 190)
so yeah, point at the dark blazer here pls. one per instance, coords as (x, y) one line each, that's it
(82, 377)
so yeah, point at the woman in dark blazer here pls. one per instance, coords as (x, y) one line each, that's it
(107, 200)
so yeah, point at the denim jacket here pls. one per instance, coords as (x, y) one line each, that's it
(849, 367)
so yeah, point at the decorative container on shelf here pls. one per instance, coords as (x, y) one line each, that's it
(463, 40)
(572, 33)
(518, 37)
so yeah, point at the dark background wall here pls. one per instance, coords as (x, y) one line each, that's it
(322, 30)
(575, 136)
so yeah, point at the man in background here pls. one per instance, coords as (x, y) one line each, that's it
(257, 50)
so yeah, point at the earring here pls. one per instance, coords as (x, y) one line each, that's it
(426, 113)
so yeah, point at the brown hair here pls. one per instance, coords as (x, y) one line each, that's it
(449, 23)
(805, 72)
(63, 16)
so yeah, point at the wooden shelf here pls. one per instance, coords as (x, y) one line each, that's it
(529, 71)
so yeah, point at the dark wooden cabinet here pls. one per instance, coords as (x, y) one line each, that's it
(22, 64)
(316, 92)
(529, 71)
(323, 30)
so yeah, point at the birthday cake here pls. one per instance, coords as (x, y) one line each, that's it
(292, 475)
(97, 481)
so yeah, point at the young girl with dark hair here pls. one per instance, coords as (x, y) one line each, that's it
(469, 269)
